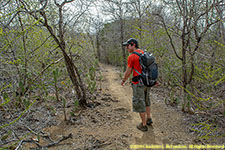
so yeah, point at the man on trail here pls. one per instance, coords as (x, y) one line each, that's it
(140, 100)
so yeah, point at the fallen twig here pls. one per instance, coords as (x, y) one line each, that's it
(46, 146)
(46, 136)
(60, 140)
(27, 141)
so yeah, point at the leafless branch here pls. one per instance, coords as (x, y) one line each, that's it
(181, 12)
(67, 1)
(171, 40)
(10, 21)
(57, 4)
(63, 3)
(207, 11)
(5, 4)
(55, 62)
(45, 5)
(199, 37)
(34, 11)
(46, 146)
(78, 16)
(39, 46)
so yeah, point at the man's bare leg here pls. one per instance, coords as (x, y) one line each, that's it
(148, 112)
(143, 118)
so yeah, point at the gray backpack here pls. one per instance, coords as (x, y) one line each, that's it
(149, 68)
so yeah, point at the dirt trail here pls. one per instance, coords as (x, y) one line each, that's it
(169, 126)
(111, 124)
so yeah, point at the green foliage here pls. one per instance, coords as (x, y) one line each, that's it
(206, 130)
(115, 57)
(173, 97)
(188, 102)
(12, 122)
(76, 104)
(21, 86)
(1, 31)
(26, 102)
(5, 136)
(64, 108)
(208, 74)
(91, 79)
(51, 108)
(197, 101)
(55, 74)
(222, 80)
(220, 44)
(5, 98)
(90, 76)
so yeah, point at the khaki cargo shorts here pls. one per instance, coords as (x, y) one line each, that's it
(140, 98)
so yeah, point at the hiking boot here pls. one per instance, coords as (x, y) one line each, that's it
(142, 128)
(149, 121)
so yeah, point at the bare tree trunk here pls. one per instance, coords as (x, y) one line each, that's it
(122, 39)
(56, 91)
(140, 23)
(184, 50)
(98, 47)
(221, 26)
(71, 68)
(25, 50)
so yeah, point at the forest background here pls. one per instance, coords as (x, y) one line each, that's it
(50, 50)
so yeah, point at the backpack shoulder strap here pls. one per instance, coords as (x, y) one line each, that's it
(139, 56)
(137, 72)
(137, 53)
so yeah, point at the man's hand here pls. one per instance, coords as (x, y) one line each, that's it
(122, 82)
(126, 75)
(157, 83)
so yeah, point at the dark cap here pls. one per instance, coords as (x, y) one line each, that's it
(131, 41)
